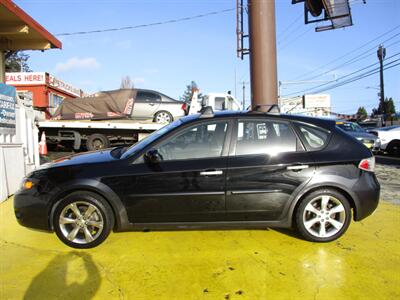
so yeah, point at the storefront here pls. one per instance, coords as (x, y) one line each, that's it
(45, 90)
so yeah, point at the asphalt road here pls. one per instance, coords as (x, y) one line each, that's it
(387, 160)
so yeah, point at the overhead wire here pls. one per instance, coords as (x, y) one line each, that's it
(362, 76)
(360, 56)
(338, 81)
(347, 53)
(184, 19)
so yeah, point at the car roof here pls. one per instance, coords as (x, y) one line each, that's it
(325, 123)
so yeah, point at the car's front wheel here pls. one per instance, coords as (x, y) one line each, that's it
(323, 216)
(83, 220)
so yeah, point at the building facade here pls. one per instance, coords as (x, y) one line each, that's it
(45, 90)
(318, 105)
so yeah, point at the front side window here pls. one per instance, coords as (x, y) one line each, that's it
(264, 137)
(199, 141)
(147, 97)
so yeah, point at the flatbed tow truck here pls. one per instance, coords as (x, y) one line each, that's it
(100, 134)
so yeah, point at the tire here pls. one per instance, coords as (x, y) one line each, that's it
(78, 230)
(97, 141)
(163, 117)
(393, 148)
(317, 224)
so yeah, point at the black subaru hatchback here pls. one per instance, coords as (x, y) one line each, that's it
(229, 169)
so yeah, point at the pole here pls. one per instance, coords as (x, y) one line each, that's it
(244, 95)
(263, 66)
(381, 55)
(2, 67)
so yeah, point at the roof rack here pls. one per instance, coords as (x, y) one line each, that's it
(273, 108)
(206, 112)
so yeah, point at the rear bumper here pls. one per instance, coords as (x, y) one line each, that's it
(367, 192)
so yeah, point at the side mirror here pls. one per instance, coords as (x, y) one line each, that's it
(153, 157)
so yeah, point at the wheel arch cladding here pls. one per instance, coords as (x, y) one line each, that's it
(324, 187)
(98, 188)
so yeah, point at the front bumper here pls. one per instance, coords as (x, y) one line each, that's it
(32, 209)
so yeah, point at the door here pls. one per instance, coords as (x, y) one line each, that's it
(146, 104)
(266, 165)
(188, 184)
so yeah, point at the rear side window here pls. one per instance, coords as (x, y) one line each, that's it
(264, 137)
(314, 138)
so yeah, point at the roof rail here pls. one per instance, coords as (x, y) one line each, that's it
(206, 112)
(273, 108)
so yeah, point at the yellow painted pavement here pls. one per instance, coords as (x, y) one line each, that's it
(213, 264)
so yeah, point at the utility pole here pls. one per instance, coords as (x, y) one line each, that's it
(263, 66)
(381, 55)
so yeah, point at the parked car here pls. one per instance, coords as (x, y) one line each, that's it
(158, 107)
(228, 169)
(390, 138)
(370, 141)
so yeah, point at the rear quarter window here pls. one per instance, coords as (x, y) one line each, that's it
(314, 138)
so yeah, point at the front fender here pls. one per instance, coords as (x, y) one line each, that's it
(95, 186)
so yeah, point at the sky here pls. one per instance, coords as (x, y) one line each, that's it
(168, 57)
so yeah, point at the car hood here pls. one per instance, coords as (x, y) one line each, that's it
(100, 156)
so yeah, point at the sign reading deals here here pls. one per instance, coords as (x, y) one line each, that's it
(7, 109)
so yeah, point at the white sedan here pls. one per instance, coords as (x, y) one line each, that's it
(390, 138)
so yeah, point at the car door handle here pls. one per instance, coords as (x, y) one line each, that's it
(211, 173)
(152, 104)
(297, 168)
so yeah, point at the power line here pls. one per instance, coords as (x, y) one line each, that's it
(296, 38)
(184, 19)
(361, 76)
(348, 53)
(360, 56)
(343, 77)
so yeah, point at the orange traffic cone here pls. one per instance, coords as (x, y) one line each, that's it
(43, 145)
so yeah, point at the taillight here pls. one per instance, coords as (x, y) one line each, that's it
(184, 106)
(367, 164)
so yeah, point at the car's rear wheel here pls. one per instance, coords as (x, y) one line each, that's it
(163, 117)
(83, 220)
(323, 216)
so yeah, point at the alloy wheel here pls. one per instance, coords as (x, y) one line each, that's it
(81, 222)
(324, 216)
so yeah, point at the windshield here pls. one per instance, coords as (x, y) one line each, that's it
(149, 139)
(351, 127)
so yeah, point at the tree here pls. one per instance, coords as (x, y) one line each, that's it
(390, 108)
(126, 83)
(187, 94)
(361, 113)
(17, 62)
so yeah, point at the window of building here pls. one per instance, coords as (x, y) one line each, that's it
(54, 101)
